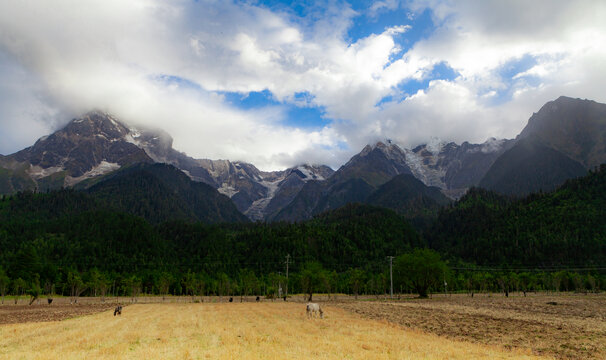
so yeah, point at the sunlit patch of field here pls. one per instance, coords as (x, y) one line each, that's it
(231, 331)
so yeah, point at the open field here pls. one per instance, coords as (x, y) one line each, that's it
(569, 326)
(231, 331)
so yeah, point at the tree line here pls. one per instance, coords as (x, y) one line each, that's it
(67, 243)
(421, 271)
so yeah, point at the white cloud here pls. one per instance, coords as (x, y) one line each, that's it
(67, 57)
(478, 38)
(380, 6)
(25, 112)
(107, 55)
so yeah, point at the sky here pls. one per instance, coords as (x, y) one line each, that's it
(280, 83)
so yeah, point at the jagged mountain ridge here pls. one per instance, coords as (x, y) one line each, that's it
(365, 174)
(97, 143)
(562, 141)
(352, 182)
(87, 147)
(454, 168)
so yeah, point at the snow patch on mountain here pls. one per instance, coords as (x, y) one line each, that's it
(130, 139)
(134, 133)
(38, 172)
(113, 120)
(103, 168)
(227, 190)
(187, 173)
(309, 173)
(423, 165)
(256, 211)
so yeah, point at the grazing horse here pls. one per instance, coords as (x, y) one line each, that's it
(312, 309)
(231, 299)
(258, 299)
(118, 310)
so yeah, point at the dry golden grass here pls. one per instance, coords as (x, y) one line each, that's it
(231, 331)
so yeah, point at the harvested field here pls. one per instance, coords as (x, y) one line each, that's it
(564, 326)
(39, 313)
(231, 331)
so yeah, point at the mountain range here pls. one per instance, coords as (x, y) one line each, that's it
(563, 140)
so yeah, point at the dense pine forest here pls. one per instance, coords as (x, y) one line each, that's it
(80, 243)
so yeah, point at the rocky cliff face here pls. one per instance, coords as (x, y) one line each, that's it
(92, 145)
(574, 127)
(98, 143)
(529, 167)
(454, 168)
(352, 182)
(563, 140)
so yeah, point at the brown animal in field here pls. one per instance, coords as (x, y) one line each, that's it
(312, 309)
(118, 310)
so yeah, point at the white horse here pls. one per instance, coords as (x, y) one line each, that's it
(313, 308)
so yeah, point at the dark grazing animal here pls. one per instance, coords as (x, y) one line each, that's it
(118, 310)
(231, 299)
(258, 299)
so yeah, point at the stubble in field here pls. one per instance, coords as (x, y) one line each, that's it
(230, 331)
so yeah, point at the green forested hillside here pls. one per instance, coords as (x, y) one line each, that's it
(563, 227)
(160, 192)
(58, 237)
(408, 196)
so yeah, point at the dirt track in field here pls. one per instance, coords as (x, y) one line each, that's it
(564, 326)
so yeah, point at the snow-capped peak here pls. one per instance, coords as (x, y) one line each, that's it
(309, 172)
(390, 149)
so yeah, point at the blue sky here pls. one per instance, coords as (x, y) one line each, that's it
(304, 114)
(280, 83)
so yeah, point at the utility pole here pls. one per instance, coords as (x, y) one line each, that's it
(390, 276)
(280, 284)
(287, 261)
